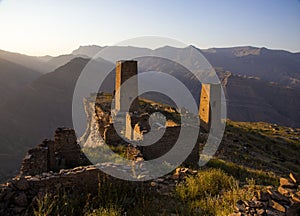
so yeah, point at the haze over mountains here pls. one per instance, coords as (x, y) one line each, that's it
(42, 64)
(13, 77)
(36, 92)
(270, 65)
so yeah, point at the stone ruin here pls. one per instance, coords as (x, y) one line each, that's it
(52, 155)
(210, 101)
(60, 163)
(126, 70)
(136, 122)
(64, 152)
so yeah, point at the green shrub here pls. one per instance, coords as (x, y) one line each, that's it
(242, 173)
(110, 211)
(208, 182)
(211, 192)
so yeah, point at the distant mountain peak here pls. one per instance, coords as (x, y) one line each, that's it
(236, 51)
(89, 50)
(245, 51)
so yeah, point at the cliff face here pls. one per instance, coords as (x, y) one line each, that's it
(91, 136)
(99, 123)
(251, 99)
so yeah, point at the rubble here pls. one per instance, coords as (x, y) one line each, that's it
(281, 202)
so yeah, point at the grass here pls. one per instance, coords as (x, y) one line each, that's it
(212, 192)
(106, 153)
(208, 182)
(111, 199)
(111, 211)
(261, 146)
(242, 173)
(250, 154)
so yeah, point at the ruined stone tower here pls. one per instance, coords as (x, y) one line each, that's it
(125, 70)
(52, 155)
(210, 101)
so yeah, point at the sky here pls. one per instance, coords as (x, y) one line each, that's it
(54, 27)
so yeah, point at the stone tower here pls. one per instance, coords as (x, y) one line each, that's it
(125, 70)
(210, 101)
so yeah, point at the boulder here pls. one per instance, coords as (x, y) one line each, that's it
(296, 198)
(295, 177)
(284, 182)
(277, 206)
(285, 191)
(278, 197)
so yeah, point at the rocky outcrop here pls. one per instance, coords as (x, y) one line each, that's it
(285, 200)
(99, 123)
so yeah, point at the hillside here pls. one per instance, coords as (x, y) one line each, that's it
(270, 65)
(42, 64)
(277, 66)
(14, 77)
(250, 160)
(47, 102)
(252, 100)
(31, 62)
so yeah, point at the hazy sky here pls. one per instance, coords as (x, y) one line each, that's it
(59, 26)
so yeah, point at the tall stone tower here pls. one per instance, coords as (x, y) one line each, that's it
(125, 70)
(210, 102)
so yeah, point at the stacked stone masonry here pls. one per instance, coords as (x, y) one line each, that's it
(64, 152)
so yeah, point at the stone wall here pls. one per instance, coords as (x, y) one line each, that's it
(20, 192)
(36, 160)
(63, 152)
(135, 125)
(165, 144)
(111, 137)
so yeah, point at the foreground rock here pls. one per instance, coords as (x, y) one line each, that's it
(285, 201)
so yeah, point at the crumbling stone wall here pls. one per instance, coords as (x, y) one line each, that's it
(63, 152)
(36, 160)
(136, 125)
(19, 193)
(67, 152)
(111, 136)
(165, 144)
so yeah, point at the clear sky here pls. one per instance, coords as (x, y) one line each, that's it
(59, 26)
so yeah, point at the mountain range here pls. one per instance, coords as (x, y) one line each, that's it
(36, 92)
